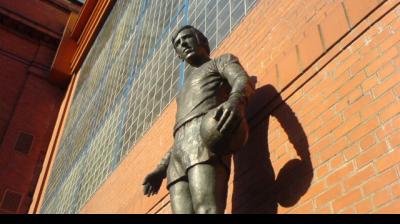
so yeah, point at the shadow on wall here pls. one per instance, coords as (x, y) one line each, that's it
(256, 189)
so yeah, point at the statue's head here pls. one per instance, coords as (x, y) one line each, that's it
(190, 44)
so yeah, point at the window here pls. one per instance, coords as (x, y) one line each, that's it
(128, 78)
(24, 142)
(11, 201)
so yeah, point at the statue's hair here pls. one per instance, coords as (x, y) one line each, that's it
(199, 35)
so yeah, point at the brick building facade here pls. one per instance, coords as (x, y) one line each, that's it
(29, 103)
(324, 119)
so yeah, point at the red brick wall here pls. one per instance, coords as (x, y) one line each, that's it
(324, 119)
(29, 104)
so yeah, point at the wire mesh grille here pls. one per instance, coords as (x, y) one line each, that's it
(129, 77)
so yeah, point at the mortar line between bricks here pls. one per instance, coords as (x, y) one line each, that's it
(157, 203)
(162, 207)
(268, 108)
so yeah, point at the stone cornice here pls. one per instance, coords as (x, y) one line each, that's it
(78, 37)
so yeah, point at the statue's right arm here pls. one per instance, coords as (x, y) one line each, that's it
(153, 180)
(163, 165)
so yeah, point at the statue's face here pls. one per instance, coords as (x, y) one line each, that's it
(186, 45)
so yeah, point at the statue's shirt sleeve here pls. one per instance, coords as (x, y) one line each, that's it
(229, 67)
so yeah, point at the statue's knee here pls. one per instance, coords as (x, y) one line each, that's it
(204, 205)
(206, 209)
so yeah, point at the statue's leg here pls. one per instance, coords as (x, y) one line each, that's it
(208, 186)
(181, 201)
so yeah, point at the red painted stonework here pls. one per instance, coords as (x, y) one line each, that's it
(29, 103)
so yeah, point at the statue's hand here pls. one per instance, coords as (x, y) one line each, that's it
(227, 116)
(152, 182)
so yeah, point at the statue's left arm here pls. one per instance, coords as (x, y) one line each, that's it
(229, 67)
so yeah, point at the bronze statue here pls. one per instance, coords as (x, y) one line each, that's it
(210, 126)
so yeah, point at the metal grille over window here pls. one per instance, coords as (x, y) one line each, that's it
(129, 77)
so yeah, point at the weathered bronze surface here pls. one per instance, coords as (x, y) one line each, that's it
(210, 126)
